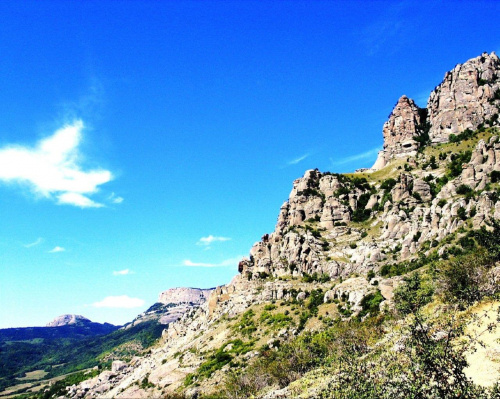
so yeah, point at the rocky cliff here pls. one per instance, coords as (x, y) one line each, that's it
(68, 319)
(193, 296)
(467, 98)
(173, 304)
(338, 240)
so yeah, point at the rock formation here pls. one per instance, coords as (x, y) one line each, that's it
(173, 304)
(336, 232)
(467, 97)
(406, 122)
(67, 319)
(193, 296)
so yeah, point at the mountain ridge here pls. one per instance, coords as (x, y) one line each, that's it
(347, 251)
(68, 319)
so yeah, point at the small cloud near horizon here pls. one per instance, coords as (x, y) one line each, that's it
(357, 157)
(52, 169)
(119, 302)
(57, 249)
(123, 272)
(38, 241)
(225, 263)
(207, 241)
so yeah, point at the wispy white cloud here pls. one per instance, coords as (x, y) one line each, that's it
(120, 301)
(357, 157)
(77, 199)
(206, 241)
(57, 249)
(233, 262)
(297, 160)
(38, 241)
(122, 272)
(391, 30)
(52, 168)
(115, 199)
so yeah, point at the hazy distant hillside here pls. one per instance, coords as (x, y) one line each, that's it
(72, 343)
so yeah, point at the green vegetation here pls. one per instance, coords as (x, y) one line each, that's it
(361, 214)
(454, 168)
(58, 388)
(247, 324)
(219, 359)
(388, 184)
(72, 352)
(397, 269)
(413, 294)
(316, 277)
(276, 321)
(370, 304)
(467, 134)
(426, 364)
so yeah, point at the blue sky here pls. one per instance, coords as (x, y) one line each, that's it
(146, 145)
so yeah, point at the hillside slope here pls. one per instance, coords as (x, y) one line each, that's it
(370, 281)
(70, 343)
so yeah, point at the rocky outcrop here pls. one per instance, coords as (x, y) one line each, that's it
(68, 319)
(173, 304)
(194, 296)
(467, 97)
(406, 122)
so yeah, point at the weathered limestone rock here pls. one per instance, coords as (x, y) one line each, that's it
(184, 295)
(352, 291)
(67, 319)
(402, 189)
(405, 122)
(468, 96)
(118, 365)
(465, 98)
(423, 189)
(401, 128)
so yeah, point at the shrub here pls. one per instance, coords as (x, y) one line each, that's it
(370, 275)
(388, 184)
(461, 213)
(464, 189)
(315, 277)
(455, 167)
(417, 196)
(490, 240)
(464, 279)
(412, 294)
(495, 176)
(370, 304)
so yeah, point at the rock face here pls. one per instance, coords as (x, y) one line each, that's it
(67, 319)
(466, 97)
(195, 296)
(405, 123)
(173, 304)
